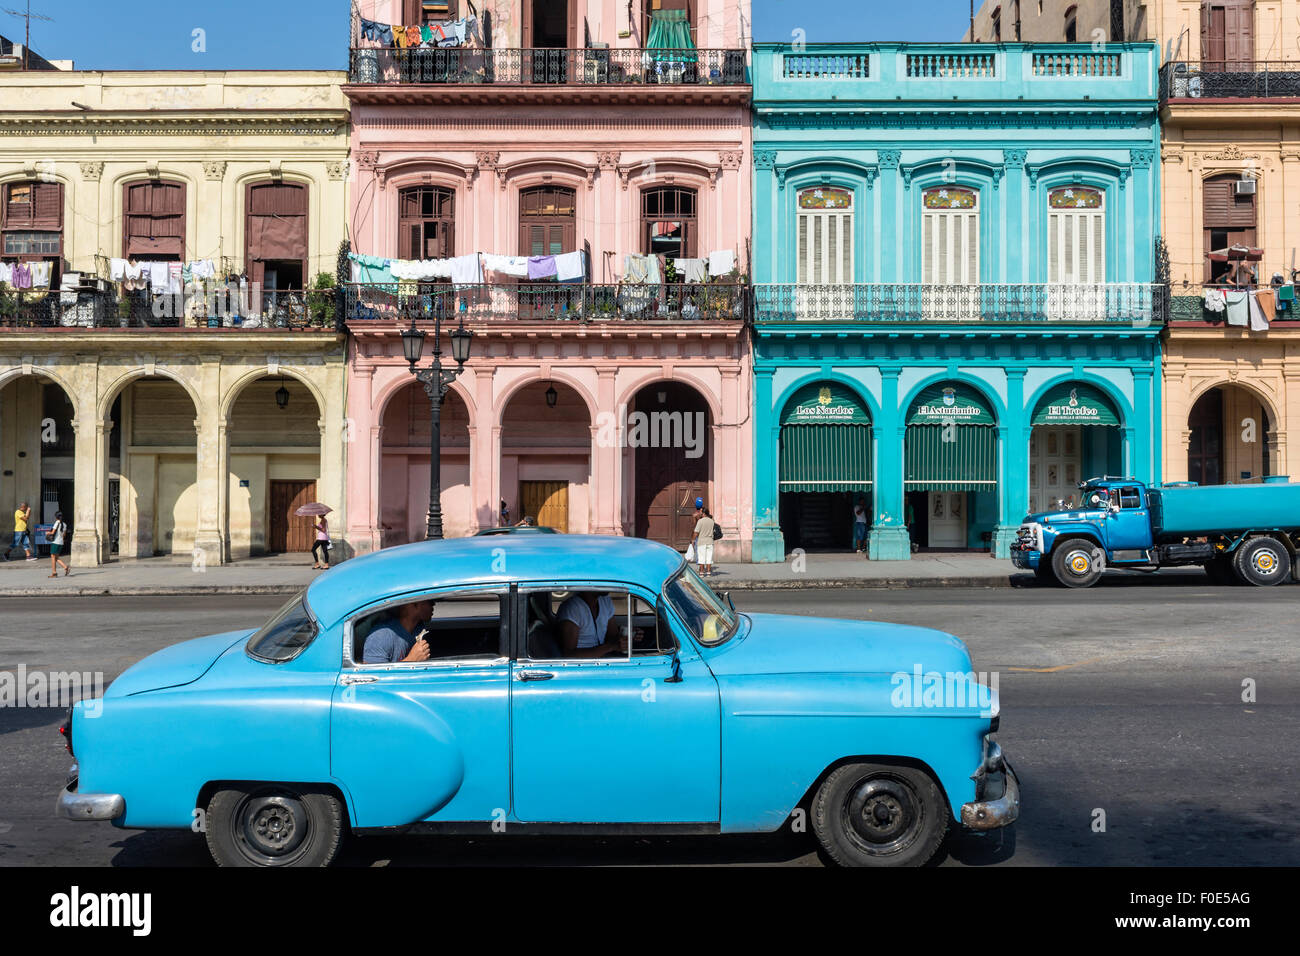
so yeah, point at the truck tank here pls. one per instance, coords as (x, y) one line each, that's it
(1194, 510)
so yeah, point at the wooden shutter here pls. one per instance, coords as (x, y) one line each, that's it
(154, 220)
(825, 255)
(950, 247)
(547, 221)
(1076, 246)
(41, 206)
(1224, 209)
(1239, 35)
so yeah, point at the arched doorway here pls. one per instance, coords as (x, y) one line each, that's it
(154, 492)
(273, 438)
(825, 463)
(1229, 428)
(950, 468)
(1075, 435)
(546, 457)
(670, 456)
(404, 469)
(37, 447)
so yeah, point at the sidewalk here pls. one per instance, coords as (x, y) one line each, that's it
(284, 574)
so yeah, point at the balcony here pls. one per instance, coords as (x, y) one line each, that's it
(1138, 305)
(1260, 80)
(1191, 310)
(548, 302)
(275, 311)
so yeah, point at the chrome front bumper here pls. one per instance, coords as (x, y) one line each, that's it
(992, 814)
(89, 806)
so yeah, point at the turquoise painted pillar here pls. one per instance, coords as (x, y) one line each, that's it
(769, 543)
(888, 540)
(1013, 476)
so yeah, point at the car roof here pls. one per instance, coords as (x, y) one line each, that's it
(491, 559)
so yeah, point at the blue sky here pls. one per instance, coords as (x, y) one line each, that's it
(306, 34)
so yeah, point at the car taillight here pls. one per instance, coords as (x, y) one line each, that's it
(66, 730)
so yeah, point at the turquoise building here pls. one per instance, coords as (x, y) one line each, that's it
(956, 316)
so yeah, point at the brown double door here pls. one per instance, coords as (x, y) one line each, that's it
(289, 532)
(547, 502)
(667, 480)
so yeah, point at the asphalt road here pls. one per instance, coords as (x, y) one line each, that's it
(1124, 700)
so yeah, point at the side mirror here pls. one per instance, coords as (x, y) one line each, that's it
(676, 676)
(726, 595)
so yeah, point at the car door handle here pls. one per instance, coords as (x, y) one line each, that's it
(535, 675)
(354, 679)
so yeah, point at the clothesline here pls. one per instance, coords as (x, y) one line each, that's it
(448, 33)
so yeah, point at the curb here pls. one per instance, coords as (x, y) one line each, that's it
(779, 585)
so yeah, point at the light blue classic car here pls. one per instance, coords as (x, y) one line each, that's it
(543, 683)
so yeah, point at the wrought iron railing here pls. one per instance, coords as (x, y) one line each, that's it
(1229, 80)
(1185, 307)
(545, 67)
(1138, 304)
(548, 301)
(135, 310)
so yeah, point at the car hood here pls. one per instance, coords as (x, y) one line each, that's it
(1057, 517)
(796, 644)
(173, 666)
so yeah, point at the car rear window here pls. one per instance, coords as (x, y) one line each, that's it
(284, 636)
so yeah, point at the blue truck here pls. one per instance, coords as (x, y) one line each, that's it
(1247, 534)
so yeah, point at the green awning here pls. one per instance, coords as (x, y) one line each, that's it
(1074, 403)
(826, 457)
(950, 458)
(950, 402)
(670, 30)
(825, 402)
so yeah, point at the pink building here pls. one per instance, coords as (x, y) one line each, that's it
(609, 396)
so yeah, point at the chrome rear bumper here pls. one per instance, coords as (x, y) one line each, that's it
(89, 806)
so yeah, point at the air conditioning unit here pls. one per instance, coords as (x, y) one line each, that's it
(1245, 187)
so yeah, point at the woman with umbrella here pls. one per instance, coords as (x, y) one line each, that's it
(322, 544)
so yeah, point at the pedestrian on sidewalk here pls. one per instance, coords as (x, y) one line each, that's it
(320, 550)
(22, 536)
(505, 514)
(56, 536)
(860, 525)
(702, 539)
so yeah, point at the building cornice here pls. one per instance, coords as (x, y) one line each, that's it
(197, 123)
(477, 96)
(922, 118)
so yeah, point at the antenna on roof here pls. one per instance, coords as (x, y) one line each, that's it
(28, 16)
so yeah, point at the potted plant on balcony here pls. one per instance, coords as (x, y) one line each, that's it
(8, 306)
(123, 311)
(320, 300)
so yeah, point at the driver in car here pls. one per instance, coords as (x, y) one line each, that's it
(401, 637)
(588, 626)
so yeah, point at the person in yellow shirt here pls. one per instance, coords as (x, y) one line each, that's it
(22, 536)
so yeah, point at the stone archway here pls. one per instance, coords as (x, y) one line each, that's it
(37, 447)
(668, 462)
(404, 467)
(546, 456)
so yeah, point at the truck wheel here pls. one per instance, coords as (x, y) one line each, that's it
(1076, 562)
(868, 814)
(1263, 561)
(274, 825)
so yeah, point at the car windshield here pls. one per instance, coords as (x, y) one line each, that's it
(707, 615)
(285, 635)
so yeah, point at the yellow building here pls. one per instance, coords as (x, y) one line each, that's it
(157, 422)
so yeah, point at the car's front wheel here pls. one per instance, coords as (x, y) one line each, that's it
(879, 815)
(274, 825)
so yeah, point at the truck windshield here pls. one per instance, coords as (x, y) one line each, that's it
(1094, 497)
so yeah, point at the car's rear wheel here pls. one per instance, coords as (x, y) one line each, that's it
(1263, 561)
(274, 825)
(1077, 563)
(879, 815)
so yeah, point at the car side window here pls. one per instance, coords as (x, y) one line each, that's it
(562, 625)
(466, 626)
(1130, 498)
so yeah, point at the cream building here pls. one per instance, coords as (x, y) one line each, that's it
(191, 429)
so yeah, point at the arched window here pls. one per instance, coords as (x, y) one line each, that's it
(1229, 216)
(997, 25)
(1076, 235)
(547, 221)
(950, 236)
(1071, 25)
(31, 219)
(275, 235)
(426, 223)
(825, 229)
(154, 220)
(668, 225)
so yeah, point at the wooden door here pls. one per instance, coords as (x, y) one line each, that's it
(289, 532)
(1228, 35)
(668, 479)
(547, 502)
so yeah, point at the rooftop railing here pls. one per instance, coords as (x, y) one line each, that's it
(1113, 304)
(1229, 80)
(547, 67)
(548, 302)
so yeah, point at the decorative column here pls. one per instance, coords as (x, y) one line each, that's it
(210, 462)
(1142, 457)
(891, 265)
(364, 454)
(769, 543)
(90, 544)
(1013, 476)
(888, 539)
(606, 493)
(335, 432)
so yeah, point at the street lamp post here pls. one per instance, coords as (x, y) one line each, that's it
(436, 381)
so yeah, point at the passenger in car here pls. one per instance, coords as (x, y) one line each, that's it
(400, 637)
(588, 626)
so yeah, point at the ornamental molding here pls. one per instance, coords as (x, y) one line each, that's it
(288, 126)
(337, 170)
(764, 159)
(368, 159)
(1029, 123)
(608, 158)
(1014, 158)
(888, 158)
(731, 158)
(1171, 155)
(1231, 153)
(1141, 158)
(214, 169)
(92, 171)
(629, 120)
(487, 158)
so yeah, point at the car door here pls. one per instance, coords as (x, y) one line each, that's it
(613, 740)
(1129, 527)
(429, 740)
